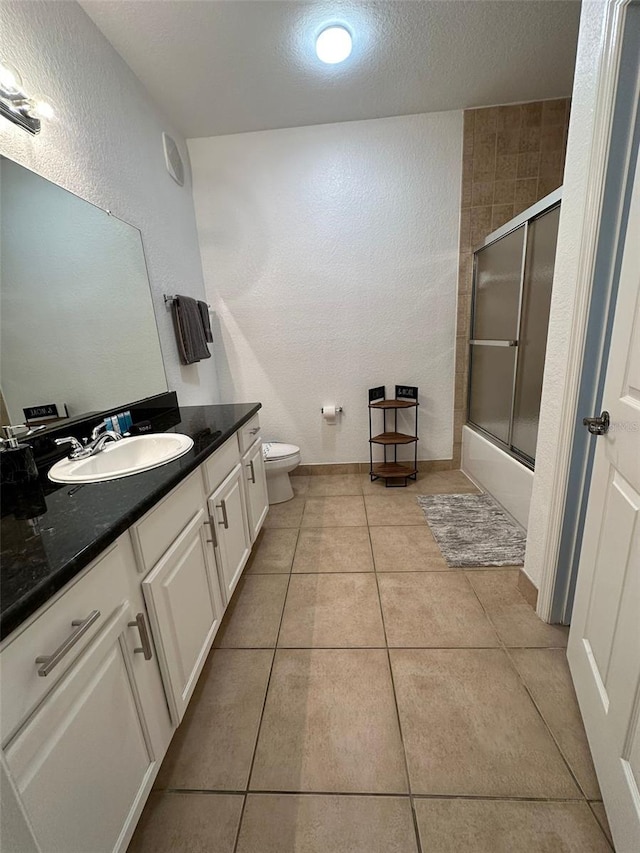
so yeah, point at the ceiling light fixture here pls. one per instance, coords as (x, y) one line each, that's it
(15, 104)
(334, 45)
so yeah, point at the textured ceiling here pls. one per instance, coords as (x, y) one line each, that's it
(228, 66)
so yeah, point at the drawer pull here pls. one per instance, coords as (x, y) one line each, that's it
(225, 521)
(141, 624)
(254, 430)
(213, 541)
(82, 626)
(253, 473)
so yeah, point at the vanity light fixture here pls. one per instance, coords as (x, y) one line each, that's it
(17, 106)
(334, 44)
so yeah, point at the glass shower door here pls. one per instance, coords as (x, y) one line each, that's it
(494, 334)
(532, 343)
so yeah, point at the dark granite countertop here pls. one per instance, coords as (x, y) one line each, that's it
(59, 529)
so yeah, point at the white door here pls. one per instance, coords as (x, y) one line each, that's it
(255, 487)
(85, 761)
(183, 596)
(604, 642)
(228, 516)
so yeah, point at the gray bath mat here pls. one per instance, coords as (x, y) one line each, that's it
(473, 530)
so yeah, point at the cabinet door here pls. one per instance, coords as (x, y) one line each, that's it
(255, 488)
(85, 761)
(185, 606)
(228, 516)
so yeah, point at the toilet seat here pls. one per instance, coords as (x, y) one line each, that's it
(277, 450)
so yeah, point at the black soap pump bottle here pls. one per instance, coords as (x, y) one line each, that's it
(17, 462)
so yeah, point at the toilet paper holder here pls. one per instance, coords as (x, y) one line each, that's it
(338, 409)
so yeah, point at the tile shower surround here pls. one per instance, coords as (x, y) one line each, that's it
(512, 156)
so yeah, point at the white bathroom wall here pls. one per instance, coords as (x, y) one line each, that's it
(330, 258)
(105, 144)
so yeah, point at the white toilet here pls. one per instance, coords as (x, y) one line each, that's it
(279, 460)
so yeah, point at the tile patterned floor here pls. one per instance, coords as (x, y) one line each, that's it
(362, 697)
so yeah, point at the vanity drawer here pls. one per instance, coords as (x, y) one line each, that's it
(249, 433)
(220, 463)
(161, 526)
(99, 590)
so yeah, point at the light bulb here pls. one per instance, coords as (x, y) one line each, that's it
(334, 45)
(41, 109)
(10, 81)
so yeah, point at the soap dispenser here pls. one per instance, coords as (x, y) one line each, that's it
(17, 462)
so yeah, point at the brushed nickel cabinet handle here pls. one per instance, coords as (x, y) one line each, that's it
(253, 473)
(49, 662)
(254, 430)
(225, 521)
(141, 624)
(213, 541)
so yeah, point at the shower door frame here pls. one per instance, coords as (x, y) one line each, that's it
(522, 220)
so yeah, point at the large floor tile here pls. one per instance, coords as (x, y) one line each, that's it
(436, 609)
(514, 619)
(406, 549)
(332, 610)
(330, 725)
(453, 482)
(335, 484)
(273, 552)
(280, 823)
(339, 511)
(253, 615)
(333, 549)
(546, 674)
(188, 823)
(287, 514)
(498, 826)
(599, 811)
(300, 485)
(471, 729)
(213, 747)
(393, 508)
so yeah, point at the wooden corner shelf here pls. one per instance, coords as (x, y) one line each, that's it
(393, 471)
(394, 404)
(393, 438)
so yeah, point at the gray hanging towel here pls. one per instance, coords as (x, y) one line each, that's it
(206, 322)
(190, 336)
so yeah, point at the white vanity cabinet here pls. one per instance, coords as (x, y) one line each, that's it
(255, 488)
(84, 758)
(229, 522)
(185, 607)
(123, 645)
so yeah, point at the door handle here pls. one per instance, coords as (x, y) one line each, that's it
(141, 624)
(253, 473)
(599, 425)
(225, 520)
(82, 626)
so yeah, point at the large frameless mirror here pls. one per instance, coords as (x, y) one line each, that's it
(77, 328)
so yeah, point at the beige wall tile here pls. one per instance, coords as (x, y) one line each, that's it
(555, 112)
(528, 164)
(506, 166)
(504, 192)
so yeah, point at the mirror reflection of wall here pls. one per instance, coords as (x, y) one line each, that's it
(77, 326)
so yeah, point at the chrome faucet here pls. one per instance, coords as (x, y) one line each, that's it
(99, 438)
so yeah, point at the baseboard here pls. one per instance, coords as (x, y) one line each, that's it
(528, 588)
(424, 465)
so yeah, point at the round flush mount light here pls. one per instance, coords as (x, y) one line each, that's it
(334, 45)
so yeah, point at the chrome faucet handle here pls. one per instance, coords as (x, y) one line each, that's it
(95, 432)
(76, 446)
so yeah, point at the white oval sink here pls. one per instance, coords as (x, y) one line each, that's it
(123, 458)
